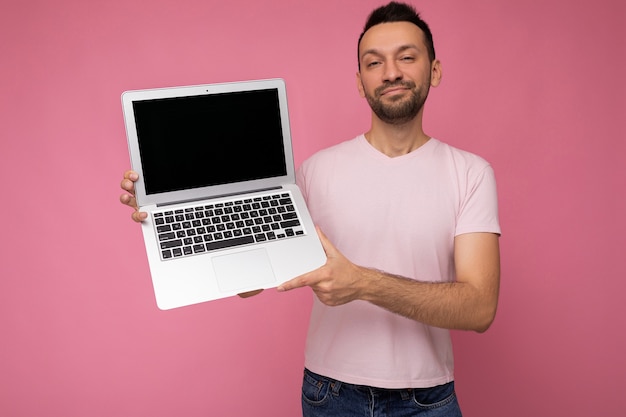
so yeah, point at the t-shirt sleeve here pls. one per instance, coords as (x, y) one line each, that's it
(479, 211)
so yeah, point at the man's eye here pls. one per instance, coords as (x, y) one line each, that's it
(373, 64)
(407, 58)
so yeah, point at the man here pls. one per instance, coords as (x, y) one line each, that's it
(410, 228)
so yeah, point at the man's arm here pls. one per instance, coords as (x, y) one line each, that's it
(469, 303)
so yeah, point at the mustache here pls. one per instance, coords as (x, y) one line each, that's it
(406, 84)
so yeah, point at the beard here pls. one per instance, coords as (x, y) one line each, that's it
(399, 109)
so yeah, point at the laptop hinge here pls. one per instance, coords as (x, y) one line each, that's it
(172, 203)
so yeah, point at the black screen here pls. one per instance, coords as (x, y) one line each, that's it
(213, 139)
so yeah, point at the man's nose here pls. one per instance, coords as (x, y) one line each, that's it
(392, 72)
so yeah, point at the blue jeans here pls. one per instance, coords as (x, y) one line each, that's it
(325, 397)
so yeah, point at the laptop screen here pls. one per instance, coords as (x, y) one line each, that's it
(212, 139)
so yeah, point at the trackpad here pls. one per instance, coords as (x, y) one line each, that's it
(245, 271)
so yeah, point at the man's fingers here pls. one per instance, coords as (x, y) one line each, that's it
(313, 278)
(128, 185)
(139, 216)
(128, 200)
(131, 175)
(128, 182)
(249, 293)
(328, 247)
(291, 284)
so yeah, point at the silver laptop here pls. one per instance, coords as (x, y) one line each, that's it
(217, 177)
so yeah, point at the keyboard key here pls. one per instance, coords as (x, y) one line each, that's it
(167, 236)
(171, 244)
(290, 223)
(237, 241)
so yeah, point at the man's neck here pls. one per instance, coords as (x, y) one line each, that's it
(396, 140)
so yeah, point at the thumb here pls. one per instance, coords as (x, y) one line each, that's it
(326, 244)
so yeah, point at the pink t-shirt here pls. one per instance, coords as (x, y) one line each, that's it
(399, 215)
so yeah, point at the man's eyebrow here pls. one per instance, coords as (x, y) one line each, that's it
(409, 46)
(402, 48)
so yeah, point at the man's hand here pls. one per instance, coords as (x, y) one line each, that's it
(469, 303)
(128, 198)
(249, 293)
(337, 282)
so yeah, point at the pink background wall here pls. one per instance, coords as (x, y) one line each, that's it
(536, 87)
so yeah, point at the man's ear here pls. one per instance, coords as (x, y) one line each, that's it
(435, 73)
(359, 84)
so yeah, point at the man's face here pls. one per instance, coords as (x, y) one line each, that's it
(396, 72)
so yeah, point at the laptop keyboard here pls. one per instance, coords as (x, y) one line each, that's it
(204, 228)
